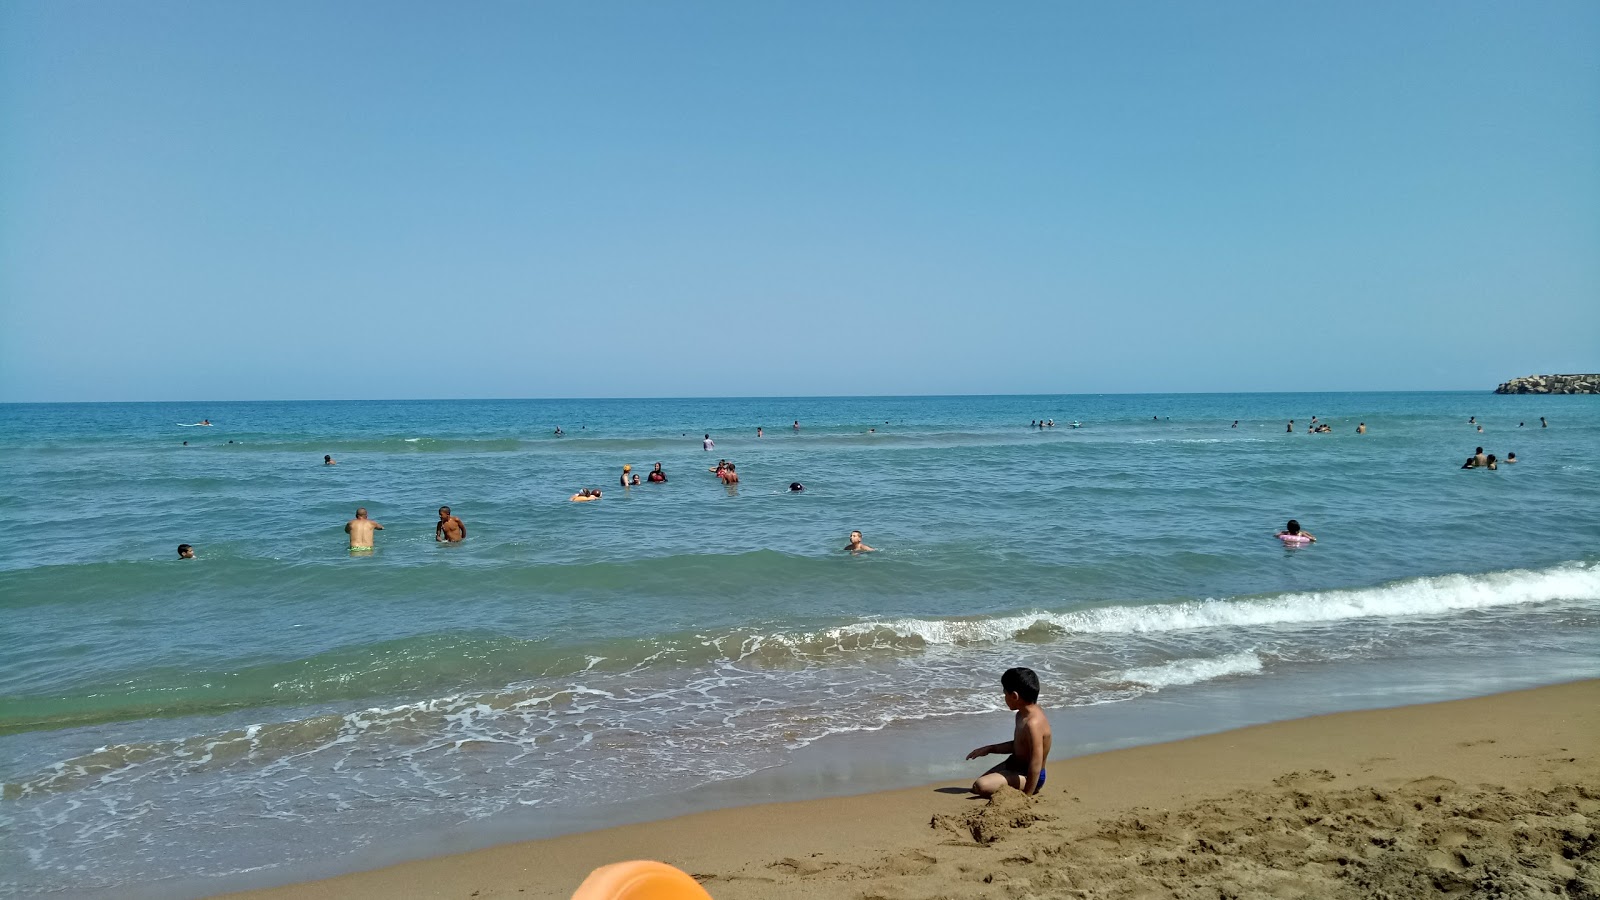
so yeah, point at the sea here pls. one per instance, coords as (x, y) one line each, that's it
(278, 707)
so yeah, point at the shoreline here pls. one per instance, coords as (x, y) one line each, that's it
(1538, 742)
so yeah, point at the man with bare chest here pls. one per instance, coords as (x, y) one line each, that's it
(360, 530)
(450, 529)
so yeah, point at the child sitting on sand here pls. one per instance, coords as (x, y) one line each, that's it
(1029, 746)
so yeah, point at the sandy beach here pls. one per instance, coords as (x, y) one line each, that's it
(1493, 797)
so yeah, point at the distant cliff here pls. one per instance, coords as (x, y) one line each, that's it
(1551, 384)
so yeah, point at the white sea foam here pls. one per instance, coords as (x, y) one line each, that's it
(1193, 671)
(1413, 597)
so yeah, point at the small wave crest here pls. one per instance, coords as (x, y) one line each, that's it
(1434, 595)
(1193, 671)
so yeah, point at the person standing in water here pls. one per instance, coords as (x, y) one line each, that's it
(708, 444)
(450, 529)
(855, 545)
(360, 530)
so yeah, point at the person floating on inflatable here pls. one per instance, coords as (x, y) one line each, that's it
(1292, 536)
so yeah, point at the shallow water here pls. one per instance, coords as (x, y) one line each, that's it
(277, 704)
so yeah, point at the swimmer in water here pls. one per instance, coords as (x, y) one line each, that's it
(185, 551)
(361, 530)
(1493, 464)
(855, 545)
(759, 432)
(708, 444)
(657, 476)
(1362, 428)
(1511, 457)
(625, 471)
(796, 487)
(1290, 429)
(329, 460)
(635, 478)
(1293, 530)
(729, 476)
(1476, 461)
(450, 529)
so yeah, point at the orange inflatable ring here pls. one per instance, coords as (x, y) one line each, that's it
(640, 879)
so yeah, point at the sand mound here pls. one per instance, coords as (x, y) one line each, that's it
(1007, 810)
(1300, 838)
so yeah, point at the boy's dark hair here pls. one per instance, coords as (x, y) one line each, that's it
(1021, 682)
(183, 547)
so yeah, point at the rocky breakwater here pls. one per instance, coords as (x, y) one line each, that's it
(1551, 384)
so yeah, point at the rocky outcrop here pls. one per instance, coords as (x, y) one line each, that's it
(1551, 384)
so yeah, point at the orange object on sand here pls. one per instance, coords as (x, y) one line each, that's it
(640, 879)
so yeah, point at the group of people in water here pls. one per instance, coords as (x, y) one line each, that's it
(451, 529)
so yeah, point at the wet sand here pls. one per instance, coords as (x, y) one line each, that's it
(1495, 797)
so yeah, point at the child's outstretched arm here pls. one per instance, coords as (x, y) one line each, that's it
(986, 749)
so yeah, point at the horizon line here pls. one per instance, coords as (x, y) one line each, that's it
(744, 397)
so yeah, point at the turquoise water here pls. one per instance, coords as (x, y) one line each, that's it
(277, 704)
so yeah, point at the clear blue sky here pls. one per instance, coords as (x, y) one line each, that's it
(518, 199)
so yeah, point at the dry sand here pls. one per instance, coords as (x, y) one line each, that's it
(1485, 798)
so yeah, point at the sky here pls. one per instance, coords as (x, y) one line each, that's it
(347, 200)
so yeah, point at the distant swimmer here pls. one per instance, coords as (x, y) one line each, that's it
(657, 476)
(1472, 420)
(450, 529)
(1543, 423)
(708, 444)
(329, 460)
(205, 421)
(559, 432)
(1291, 534)
(185, 551)
(796, 424)
(796, 487)
(1362, 428)
(729, 476)
(1235, 424)
(759, 432)
(585, 495)
(1493, 464)
(1476, 461)
(1511, 457)
(717, 469)
(360, 530)
(1050, 424)
(855, 545)
(1290, 429)
(1480, 429)
(1519, 425)
(625, 471)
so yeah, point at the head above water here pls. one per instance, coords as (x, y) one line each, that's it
(185, 551)
(797, 487)
(1293, 527)
(444, 512)
(1021, 682)
(627, 468)
(1479, 450)
(361, 513)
